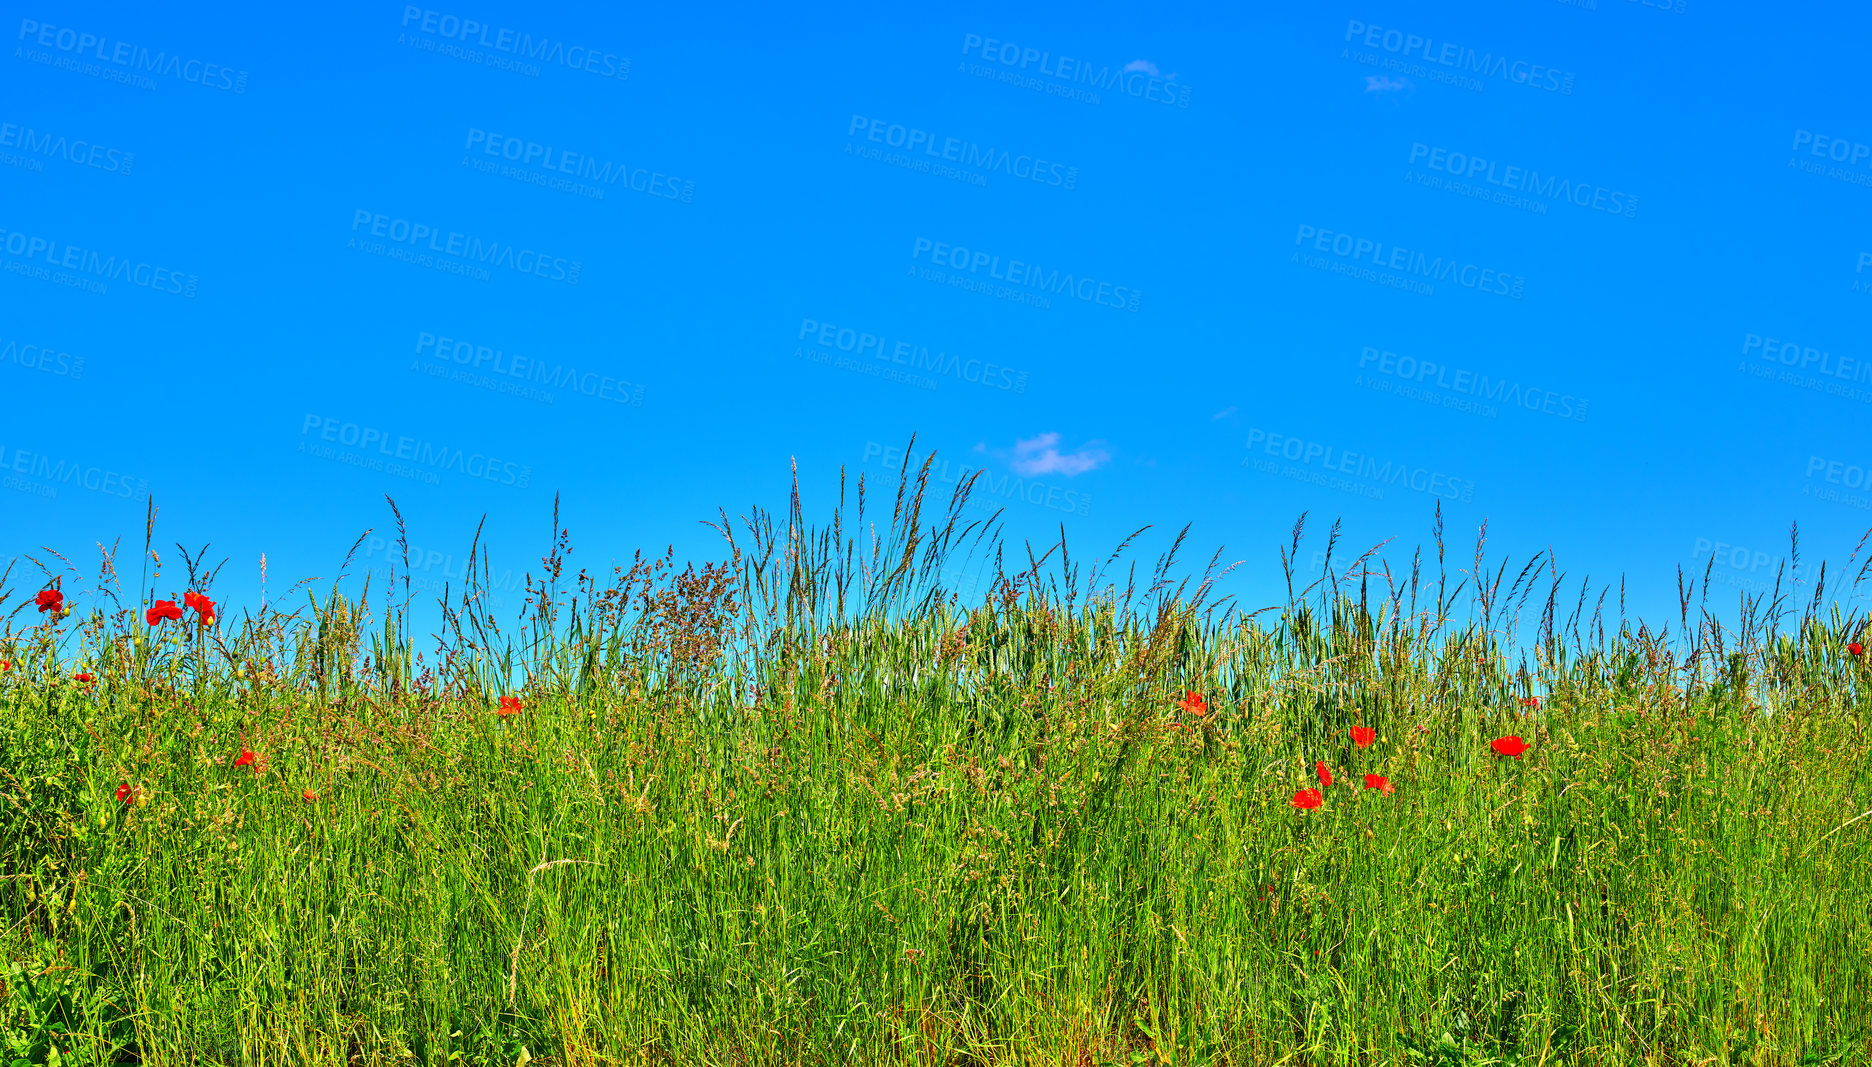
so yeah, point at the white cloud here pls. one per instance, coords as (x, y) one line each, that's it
(1149, 68)
(1041, 455)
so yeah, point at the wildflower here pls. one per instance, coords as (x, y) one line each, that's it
(508, 706)
(246, 759)
(123, 793)
(1362, 736)
(1856, 649)
(1325, 776)
(1509, 746)
(1531, 702)
(309, 795)
(202, 605)
(163, 609)
(1193, 703)
(1378, 782)
(83, 678)
(50, 600)
(1307, 798)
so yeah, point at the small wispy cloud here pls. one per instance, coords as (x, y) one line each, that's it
(1147, 67)
(1378, 83)
(1041, 455)
(1224, 413)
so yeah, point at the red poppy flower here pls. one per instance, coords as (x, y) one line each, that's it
(1193, 703)
(123, 793)
(309, 795)
(163, 609)
(246, 759)
(1308, 798)
(1531, 702)
(1856, 649)
(1325, 776)
(202, 605)
(1378, 782)
(50, 600)
(1362, 736)
(1509, 746)
(508, 705)
(83, 677)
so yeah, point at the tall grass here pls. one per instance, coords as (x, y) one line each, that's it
(801, 805)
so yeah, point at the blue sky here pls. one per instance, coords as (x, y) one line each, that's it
(1598, 274)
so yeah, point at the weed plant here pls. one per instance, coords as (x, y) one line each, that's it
(803, 805)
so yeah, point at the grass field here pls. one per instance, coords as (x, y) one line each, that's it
(800, 807)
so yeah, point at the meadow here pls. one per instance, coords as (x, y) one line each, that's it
(802, 805)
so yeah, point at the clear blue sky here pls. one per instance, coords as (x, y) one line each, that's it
(1600, 274)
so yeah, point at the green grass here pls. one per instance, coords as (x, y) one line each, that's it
(796, 809)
